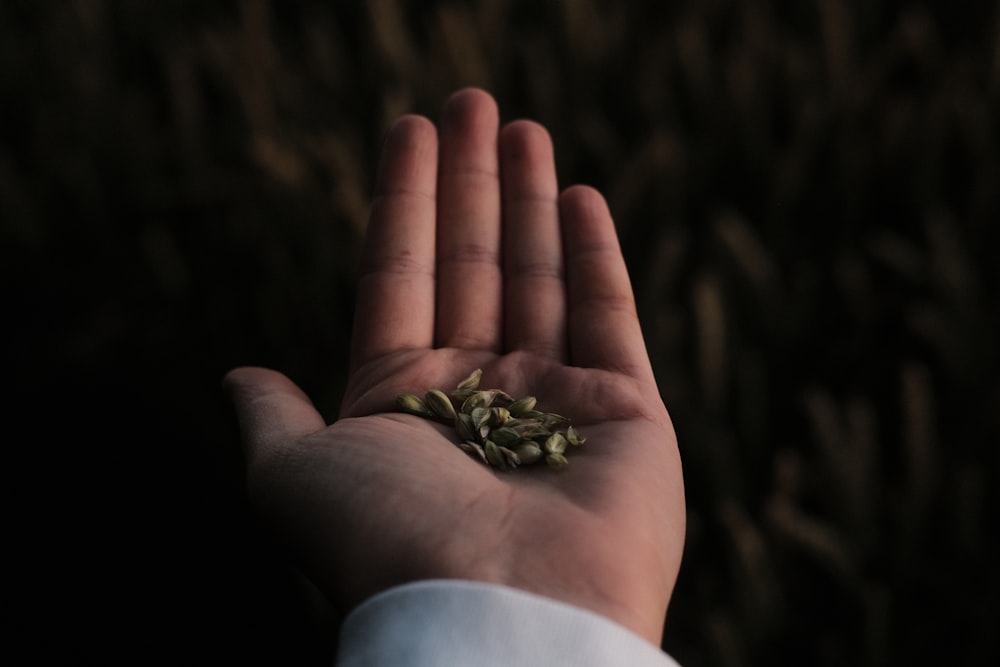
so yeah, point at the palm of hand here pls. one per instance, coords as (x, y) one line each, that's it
(431, 511)
(381, 498)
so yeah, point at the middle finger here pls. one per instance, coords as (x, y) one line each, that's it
(469, 280)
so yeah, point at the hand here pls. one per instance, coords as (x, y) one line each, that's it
(473, 259)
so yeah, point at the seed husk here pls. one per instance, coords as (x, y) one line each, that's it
(478, 399)
(556, 461)
(413, 405)
(474, 448)
(440, 404)
(510, 457)
(499, 416)
(555, 444)
(481, 417)
(552, 420)
(472, 381)
(527, 428)
(466, 427)
(548, 419)
(461, 395)
(529, 453)
(494, 428)
(493, 454)
(505, 437)
(522, 406)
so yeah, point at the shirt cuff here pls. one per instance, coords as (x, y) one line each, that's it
(456, 622)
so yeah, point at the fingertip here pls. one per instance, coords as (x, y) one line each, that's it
(411, 120)
(469, 103)
(526, 130)
(584, 199)
(410, 142)
(524, 138)
(469, 93)
(586, 221)
(410, 128)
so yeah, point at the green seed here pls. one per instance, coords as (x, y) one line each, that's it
(556, 461)
(528, 452)
(466, 427)
(499, 416)
(459, 396)
(471, 383)
(413, 405)
(574, 437)
(479, 399)
(475, 449)
(493, 427)
(522, 406)
(493, 454)
(505, 437)
(481, 417)
(510, 457)
(555, 444)
(440, 404)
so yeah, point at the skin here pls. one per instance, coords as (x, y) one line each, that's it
(474, 259)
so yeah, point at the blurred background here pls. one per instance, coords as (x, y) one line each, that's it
(807, 196)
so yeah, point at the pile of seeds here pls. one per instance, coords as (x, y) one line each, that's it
(500, 431)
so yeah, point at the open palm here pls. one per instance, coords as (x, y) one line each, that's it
(473, 259)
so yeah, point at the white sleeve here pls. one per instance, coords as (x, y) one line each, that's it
(469, 623)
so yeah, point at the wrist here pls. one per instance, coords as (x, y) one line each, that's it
(625, 585)
(639, 608)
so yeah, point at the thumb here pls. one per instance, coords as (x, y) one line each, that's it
(271, 410)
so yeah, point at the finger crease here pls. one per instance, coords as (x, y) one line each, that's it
(403, 193)
(470, 254)
(398, 266)
(532, 270)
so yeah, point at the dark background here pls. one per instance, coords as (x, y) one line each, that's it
(807, 195)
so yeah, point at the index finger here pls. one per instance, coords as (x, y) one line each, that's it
(395, 306)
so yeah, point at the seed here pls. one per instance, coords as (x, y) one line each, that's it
(493, 454)
(471, 383)
(510, 457)
(522, 406)
(466, 427)
(439, 402)
(555, 444)
(499, 416)
(461, 395)
(529, 453)
(473, 448)
(481, 417)
(548, 419)
(502, 398)
(413, 405)
(552, 420)
(527, 428)
(505, 437)
(556, 461)
(493, 427)
(479, 399)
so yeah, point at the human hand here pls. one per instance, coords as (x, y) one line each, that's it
(473, 259)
